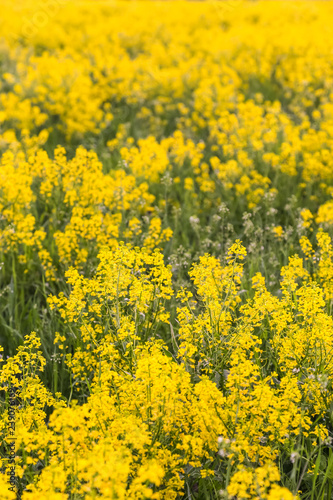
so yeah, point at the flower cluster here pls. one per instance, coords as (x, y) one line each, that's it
(166, 258)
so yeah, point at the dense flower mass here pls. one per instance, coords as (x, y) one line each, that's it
(166, 257)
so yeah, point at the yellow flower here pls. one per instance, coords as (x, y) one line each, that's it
(278, 232)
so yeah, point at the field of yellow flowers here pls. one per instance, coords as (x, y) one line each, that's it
(166, 257)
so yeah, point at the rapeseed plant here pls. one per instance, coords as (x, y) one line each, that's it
(166, 261)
